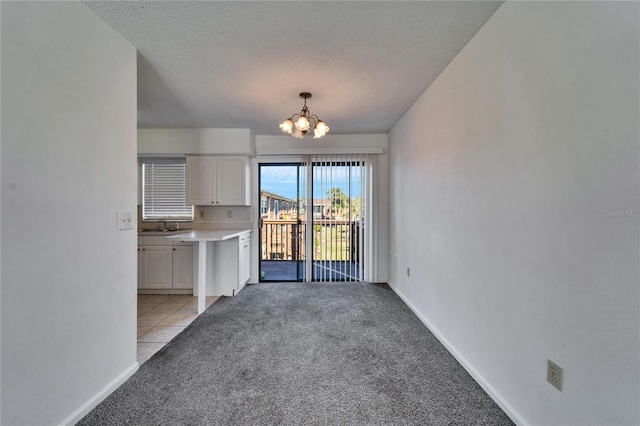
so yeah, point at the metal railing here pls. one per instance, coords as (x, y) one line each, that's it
(282, 240)
(335, 240)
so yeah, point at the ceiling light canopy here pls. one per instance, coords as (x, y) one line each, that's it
(304, 121)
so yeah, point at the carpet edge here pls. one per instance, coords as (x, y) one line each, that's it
(508, 409)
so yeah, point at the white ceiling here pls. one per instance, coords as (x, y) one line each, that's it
(242, 64)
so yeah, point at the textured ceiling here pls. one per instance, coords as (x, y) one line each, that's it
(242, 64)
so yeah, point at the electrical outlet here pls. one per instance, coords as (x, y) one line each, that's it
(229, 214)
(554, 374)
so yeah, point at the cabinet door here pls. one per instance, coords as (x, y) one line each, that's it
(182, 266)
(200, 178)
(245, 263)
(157, 267)
(140, 266)
(232, 179)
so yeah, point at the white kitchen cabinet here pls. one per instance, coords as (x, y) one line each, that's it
(163, 265)
(232, 265)
(183, 266)
(139, 265)
(244, 262)
(157, 267)
(218, 180)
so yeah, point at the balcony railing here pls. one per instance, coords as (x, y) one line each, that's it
(282, 240)
(338, 240)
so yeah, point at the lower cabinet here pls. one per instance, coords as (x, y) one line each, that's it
(231, 260)
(157, 267)
(244, 262)
(140, 259)
(164, 266)
(183, 266)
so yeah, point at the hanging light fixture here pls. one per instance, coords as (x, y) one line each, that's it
(304, 122)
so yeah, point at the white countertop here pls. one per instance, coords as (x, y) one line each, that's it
(219, 235)
(160, 233)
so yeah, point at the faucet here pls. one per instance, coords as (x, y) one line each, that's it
(166, 228)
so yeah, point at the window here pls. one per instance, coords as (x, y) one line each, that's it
(264, 206)
(164, 190)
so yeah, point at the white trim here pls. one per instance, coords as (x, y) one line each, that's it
(495, 395)
(93, 402)
(371, 223)
(144, 155)
(323, 151)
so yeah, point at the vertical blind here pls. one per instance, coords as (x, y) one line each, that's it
(340, 242)
(164, 190)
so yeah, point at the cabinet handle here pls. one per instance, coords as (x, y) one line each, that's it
(213, 202)
(174, 249)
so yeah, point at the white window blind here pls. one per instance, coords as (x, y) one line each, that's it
(164, 190)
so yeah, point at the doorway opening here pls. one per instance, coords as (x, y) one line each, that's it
(312, 219)
(282, 221)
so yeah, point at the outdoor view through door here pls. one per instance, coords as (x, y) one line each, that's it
(282, 222)
(318, 237)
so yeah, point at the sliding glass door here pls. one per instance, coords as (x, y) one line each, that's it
(312, 219)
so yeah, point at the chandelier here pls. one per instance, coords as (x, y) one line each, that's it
(304, 122)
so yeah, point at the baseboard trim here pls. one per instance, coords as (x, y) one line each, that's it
(495, 395)
(100, 396)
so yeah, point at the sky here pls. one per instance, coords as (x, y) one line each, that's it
(282, 180)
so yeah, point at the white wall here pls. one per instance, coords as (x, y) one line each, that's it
(285, 148)
(514, 200)
(195, 141)
(68, 165)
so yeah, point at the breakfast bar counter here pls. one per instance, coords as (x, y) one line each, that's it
(239, 274)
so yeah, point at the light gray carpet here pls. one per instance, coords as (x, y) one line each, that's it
(302, 354)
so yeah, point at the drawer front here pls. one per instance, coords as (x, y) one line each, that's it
(154, 240)
(182, 243)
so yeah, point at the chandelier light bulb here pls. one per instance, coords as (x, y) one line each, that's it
(302, 123)
(322, 127)
(297, 133)
(286, 126)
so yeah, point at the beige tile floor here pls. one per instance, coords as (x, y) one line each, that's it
(161, 317)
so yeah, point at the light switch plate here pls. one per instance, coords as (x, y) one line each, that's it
(125, 220)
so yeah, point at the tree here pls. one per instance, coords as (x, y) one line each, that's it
(356, 208)
(338, 200)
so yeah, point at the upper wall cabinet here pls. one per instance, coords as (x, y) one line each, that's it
(218, 181)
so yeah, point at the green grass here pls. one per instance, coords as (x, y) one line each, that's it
(330, 243)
